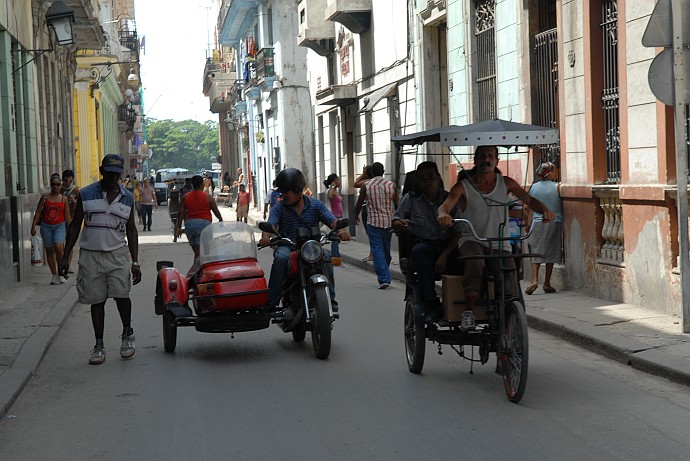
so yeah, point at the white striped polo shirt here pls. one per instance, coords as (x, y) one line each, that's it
(105, 224)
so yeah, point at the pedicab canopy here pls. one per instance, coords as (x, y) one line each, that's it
(494, 132)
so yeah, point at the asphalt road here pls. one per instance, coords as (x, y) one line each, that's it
(262, 396)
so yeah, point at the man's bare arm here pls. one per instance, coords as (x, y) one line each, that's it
(444, 217)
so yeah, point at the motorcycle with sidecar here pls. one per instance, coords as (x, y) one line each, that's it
(228, 293)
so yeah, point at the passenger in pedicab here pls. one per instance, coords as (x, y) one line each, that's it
(483, 186)
(433, 246)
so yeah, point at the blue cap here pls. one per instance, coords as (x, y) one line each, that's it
(113, 163)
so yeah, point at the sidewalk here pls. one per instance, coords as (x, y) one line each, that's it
(32, 313)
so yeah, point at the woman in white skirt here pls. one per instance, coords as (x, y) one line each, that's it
(547, 237)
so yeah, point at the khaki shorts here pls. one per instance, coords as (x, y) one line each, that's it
(243, 211)
(103, 275)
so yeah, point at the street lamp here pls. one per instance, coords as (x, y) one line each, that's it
(60, 18)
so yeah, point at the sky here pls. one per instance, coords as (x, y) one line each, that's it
(172, 63)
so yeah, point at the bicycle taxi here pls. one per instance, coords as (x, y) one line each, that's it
(501, 322)
(177, 187)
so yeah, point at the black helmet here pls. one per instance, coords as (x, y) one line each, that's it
(290, 179)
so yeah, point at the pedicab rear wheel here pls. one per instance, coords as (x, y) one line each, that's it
(415, 342)
(515, 351)
(169, 331)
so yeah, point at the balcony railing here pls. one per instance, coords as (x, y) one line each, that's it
(126, 114)
(264, 63)
(129, 39)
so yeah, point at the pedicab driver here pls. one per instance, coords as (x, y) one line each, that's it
(485, 185)
(433, 243)
(107, 211)
(294, 211)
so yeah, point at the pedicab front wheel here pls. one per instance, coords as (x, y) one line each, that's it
(515, 351)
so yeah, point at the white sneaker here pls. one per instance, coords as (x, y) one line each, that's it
(383, 286)
(97, 355)
(55, 281)
(62, 279)
(127, 348)
(467, 322)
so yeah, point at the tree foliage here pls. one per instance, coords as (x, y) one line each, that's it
(184, 144)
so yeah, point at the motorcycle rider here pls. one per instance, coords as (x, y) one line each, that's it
(295, 211)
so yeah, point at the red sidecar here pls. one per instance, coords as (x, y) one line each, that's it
(228, 292)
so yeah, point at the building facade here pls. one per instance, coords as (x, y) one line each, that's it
(52, 117)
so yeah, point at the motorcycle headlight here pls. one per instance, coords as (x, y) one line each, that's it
(312, 252)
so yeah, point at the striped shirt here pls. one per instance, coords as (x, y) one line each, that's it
(105, 224)
(288, 221)
(380, 194)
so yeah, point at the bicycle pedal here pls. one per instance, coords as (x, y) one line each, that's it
(336, 316)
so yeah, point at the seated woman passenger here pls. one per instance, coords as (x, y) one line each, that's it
(433, 243)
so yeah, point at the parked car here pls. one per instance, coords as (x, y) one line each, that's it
(163, 177)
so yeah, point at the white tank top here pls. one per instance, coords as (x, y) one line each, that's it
(484, 212)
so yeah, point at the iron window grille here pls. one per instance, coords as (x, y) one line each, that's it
(610, 93)
(485, 39)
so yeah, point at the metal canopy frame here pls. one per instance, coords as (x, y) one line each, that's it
(494, 132)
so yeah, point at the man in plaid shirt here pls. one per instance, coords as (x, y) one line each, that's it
(382, 199)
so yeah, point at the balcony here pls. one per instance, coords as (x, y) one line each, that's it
(315, 32)
(126, 115)
(129, 39)
(221, 90)
(353, 14)
(87, 29)
(235, 19)
(337, 95)
(237, 102)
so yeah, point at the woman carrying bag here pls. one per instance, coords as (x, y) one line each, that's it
(52, 213)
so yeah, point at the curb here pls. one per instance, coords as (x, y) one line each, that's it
(17, 376)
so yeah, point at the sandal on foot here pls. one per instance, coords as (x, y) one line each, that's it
(549, 289)
(530, 289)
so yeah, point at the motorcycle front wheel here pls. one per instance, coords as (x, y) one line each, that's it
(321, 323)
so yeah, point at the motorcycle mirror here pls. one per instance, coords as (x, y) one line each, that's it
(268, 227)
(342, 223)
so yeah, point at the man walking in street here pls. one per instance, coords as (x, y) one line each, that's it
(107, 212)
(148, 201)
(382, 199)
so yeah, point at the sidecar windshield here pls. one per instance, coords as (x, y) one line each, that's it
(224, 241)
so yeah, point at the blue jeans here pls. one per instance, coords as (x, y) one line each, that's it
(147, 215)
(335, 249)
(380, 244)
(424, 256)
(281, 256)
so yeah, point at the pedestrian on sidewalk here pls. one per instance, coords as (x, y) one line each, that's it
(382, 199)
(108, 241)
(52, 212)
(547, 237)
(148, 201)
(71, 191)
(361, 205)
(336, 200)
(242, 204)
(195, 210)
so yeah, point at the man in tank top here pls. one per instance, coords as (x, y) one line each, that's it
(482, 187)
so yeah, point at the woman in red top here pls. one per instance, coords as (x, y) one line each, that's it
(195, 211)
(52, 213)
